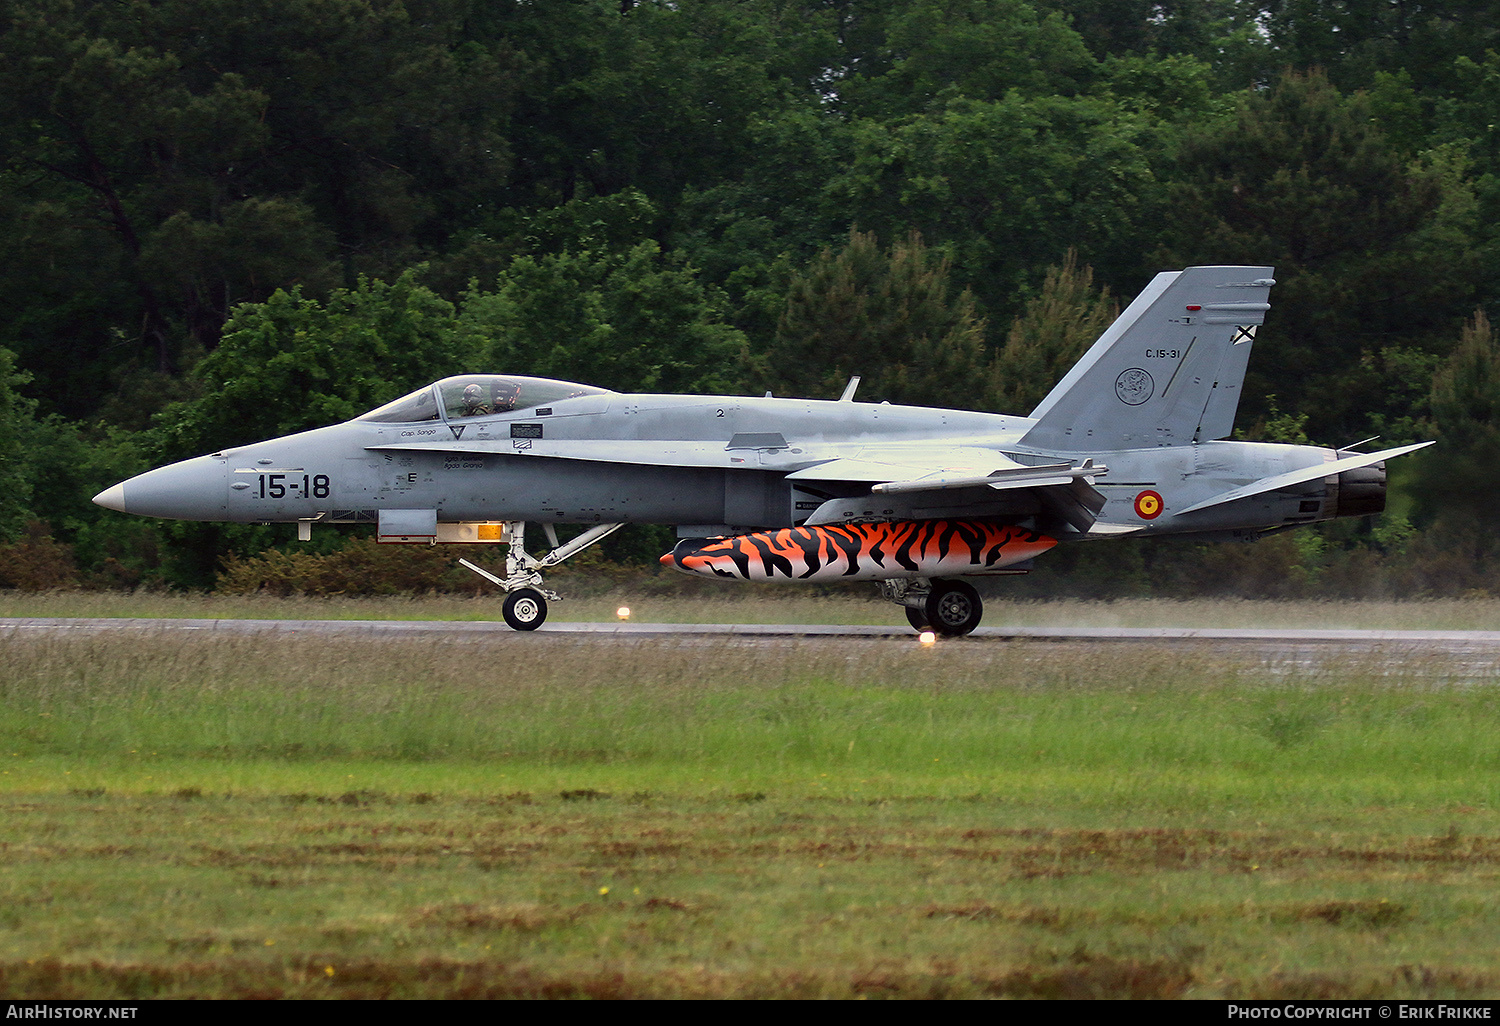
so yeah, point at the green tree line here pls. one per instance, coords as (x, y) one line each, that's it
(226, 220)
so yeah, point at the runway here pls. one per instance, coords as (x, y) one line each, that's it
(1448, 642)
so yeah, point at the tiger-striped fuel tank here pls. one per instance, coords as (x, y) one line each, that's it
(861, 552)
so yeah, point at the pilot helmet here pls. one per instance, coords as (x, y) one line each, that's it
(473, 395)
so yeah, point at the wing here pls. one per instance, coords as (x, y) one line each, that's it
(930, 481)
(927, 464)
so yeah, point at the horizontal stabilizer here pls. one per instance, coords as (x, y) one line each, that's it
(1296, 477)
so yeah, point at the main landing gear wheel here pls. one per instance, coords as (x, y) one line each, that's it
(916, 618)
(953, 609)
(525, 610)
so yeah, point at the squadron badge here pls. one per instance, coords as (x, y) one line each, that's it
(1134, 386)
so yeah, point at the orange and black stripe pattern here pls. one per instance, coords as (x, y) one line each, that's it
(903, 548)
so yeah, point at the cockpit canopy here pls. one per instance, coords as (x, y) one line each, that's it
(476, 395)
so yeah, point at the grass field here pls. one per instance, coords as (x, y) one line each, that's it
(526, 815)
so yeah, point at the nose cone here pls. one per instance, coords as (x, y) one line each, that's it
(112, 497)
(191, 490)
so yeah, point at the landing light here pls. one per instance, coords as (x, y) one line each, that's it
(623, 612)
(926, 639)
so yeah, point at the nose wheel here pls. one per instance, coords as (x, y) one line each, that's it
(524, 610)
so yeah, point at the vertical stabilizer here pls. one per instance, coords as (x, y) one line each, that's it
(1167, 371)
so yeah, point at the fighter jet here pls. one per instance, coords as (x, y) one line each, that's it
(1130, 442)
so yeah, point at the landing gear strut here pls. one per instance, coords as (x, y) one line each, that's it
(526, 597)
(951, 608)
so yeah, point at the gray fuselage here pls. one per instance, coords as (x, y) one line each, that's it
(701, 463)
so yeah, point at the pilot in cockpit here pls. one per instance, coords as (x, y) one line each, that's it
(473, 402)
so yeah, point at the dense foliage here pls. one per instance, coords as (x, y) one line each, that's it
(231, 219)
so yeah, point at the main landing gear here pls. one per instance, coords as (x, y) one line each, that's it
(526, 597)
(950, 608)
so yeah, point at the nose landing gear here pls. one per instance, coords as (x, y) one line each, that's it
(526, 597)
